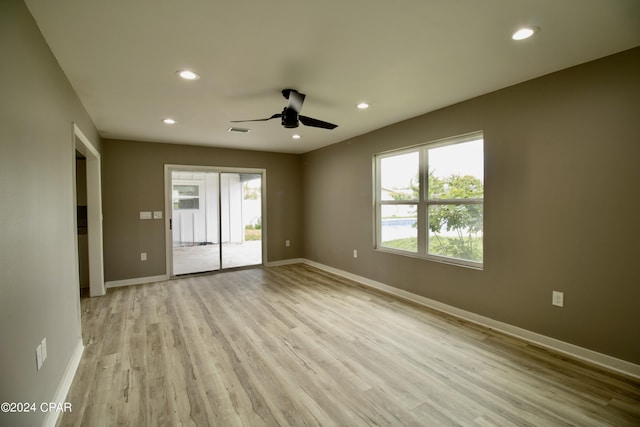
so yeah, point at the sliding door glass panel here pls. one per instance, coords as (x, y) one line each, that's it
(216, 220)
(241, 219)
(195, 222)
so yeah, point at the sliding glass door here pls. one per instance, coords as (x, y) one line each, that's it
(215, 219)
(241, 216)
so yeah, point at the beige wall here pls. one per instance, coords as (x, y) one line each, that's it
(133, 181)
(39, 293)
(562, 207)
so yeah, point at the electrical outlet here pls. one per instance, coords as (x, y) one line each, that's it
(287, 243)
(43, 344)
(143, 256)
(557, 298)
(39, 357)
(355, 253)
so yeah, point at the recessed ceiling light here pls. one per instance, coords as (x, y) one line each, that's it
(168, 121)
(524, 33)
(187, 75)
(362, 106)
(296, 136)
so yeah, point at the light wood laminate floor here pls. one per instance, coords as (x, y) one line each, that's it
(294, 345)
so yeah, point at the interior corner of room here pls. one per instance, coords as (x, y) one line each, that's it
(85, 211)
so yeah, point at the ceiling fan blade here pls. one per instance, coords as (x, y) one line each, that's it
(296, 99)
(275, 116)
(310, 121)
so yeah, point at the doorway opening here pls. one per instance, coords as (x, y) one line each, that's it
(215, 218)
(81, 222)
(93, 206)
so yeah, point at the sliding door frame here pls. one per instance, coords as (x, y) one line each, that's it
(168, 234)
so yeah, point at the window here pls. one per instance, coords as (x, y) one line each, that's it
(186, 197)
(430, 199)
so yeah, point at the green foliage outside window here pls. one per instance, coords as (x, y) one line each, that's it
(463, 223)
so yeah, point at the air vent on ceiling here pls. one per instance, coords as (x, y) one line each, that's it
(241, 130)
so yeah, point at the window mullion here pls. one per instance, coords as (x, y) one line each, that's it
(455, 201)
(422, 207)
(398, 202)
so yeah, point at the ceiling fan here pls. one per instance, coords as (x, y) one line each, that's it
(291, 114)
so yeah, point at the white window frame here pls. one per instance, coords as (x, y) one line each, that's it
(197, 184)
(423, 202)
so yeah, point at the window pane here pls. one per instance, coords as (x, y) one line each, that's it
(186, 204)
(456, 171)
(399, 227)
(456, 231)
(186, 197)
(399, 177)
(186, 190)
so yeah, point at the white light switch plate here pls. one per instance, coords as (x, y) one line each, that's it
(558, 299)
(43, 346)
(157, 214)
(145, 215)
(39, 357)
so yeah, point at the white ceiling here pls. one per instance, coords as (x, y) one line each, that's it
(404, 57)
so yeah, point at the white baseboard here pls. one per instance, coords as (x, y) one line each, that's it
(136, 281)
(580, 353)
(63, 389)
(285, 262)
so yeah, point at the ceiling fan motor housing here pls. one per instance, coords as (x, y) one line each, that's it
(289, 118)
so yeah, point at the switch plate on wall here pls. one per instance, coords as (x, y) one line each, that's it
(557, 299)
(39, 357)
(43, 344)
(143, 256)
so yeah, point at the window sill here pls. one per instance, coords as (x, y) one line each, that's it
(442, 260)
